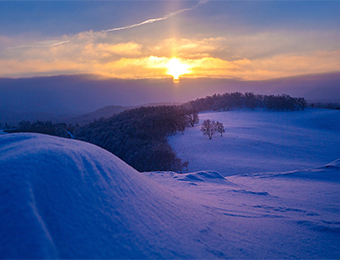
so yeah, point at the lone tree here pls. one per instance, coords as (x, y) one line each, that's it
(220, 128)
(208, 128)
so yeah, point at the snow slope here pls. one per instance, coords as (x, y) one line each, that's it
(63, 198)
(262, 141)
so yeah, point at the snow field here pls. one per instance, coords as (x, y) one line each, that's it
(262, 141)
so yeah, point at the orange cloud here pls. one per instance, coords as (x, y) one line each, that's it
(15, 68)
(123, 49)
(98, 53)
(155, 67)
(186, 48)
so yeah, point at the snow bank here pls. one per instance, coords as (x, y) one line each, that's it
(327, 173)
(208, 176)
(63, 198)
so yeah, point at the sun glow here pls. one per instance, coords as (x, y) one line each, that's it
(177, 68)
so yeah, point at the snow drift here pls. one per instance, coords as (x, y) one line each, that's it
(209, 176)
(69, 199)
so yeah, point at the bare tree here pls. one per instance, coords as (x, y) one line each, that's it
(208, 128)
(193, 118)
(220, 128)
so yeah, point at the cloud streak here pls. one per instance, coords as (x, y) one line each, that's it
(59, 43)
(156, 19)
(149, 21)
(44, 44)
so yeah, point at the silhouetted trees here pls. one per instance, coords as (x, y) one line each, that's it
(251, 100)
(335, 106)
(234, 100)
(139, 136)
(220, 128)
(209, 128)
(192, 118)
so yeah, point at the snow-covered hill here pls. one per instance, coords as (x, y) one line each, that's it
(70, 199)
(262, 141)
(63, 198)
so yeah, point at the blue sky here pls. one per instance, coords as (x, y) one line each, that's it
(56, 18)
(248, 40)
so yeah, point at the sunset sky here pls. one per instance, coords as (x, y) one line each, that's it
(247, 40)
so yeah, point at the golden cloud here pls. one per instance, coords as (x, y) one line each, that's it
(122, 49)
(15, 68)
(208, 57)
(186, 48)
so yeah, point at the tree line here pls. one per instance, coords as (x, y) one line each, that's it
(250, 100)
(139, 136)
(335, 106)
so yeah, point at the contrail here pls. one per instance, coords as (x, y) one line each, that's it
(59, 43)
(39, 45)
(156, 19)
(46, 44)
(135, 25)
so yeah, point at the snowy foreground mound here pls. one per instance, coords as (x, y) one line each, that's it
(63, 198)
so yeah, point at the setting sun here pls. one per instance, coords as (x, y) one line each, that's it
(177, 68)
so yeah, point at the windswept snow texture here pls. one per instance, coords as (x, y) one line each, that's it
(63, 198)
(262, 141)
(274, 215)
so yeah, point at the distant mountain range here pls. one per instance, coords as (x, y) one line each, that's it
(104, 112)
(79, 96)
